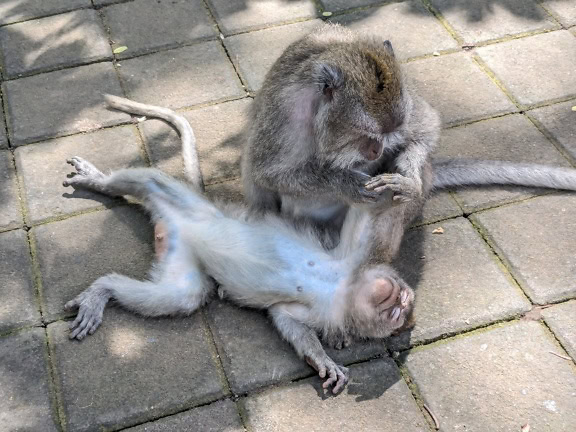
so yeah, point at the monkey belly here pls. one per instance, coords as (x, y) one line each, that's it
(332, 212)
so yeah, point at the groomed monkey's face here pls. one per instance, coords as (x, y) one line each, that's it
(382, 303)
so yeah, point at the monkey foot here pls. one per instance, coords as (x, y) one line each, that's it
(336, 375)
(90, 305)
(86, 173)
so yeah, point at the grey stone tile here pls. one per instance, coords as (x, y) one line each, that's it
(536, 237)
(18, 307)
(3, 137)
(459, 285)
(337, 5)
(149, 25)
(219, 417)
(377, 398)
(561, 320)
(536, 68)
(563, 10)
(133, 369)
(43, 168)
(19, 10)
(254, 53)
(482, 20)
(25, 401)
(559, 121)
(391, 21)
(243, 15)
(182, 77)
(100, 3)
(64, 40)
(497, 381)
(510, 138)
(254, 355)
(10, 214)
(75, 252)
(440, 206)
(230, 191)
(61, 102)
(457, 88)
(217, 129)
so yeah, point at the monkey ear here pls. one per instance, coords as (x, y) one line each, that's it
(388, 46)
(329, 78)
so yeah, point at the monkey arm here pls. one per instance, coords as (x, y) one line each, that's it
(307, 345)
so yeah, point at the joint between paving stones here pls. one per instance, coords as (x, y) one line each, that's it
(36, 275)
(550, 333)
(550, 13)
(54, 383)
(216, 355)
(415, 390)
(443, 21)
(490, 73)
(57, 68)
(552, 139)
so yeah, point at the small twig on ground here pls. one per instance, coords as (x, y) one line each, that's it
(429, 411)
(561, 356)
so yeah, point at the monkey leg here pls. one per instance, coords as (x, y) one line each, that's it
(306, 343)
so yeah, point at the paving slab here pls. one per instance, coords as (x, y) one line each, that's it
(74, 252)
(563, 10)
(559, 120)
(220, 416)
(440, 206)
(65, 40)
(390, 22)
(254, 53)
(3, 137)
(561, 319)
(217, 129)
(510, 138)
(536, 238)
(483, 20)
(377, 398)
(10, 214)
(520, 65)
(20, 10)
(43, 168)
(230, 191)
(235, 16)
(182, 77)
(338, 5)
(455, 86)
(100, 3)
(25, 399)
(254, 355)
(497, 380)
(133, 369)
(459, 284)
(18, 307)
(37, 109)
(151, 25)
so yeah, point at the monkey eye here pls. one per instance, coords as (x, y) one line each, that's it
(328, 91)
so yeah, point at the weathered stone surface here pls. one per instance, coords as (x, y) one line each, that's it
(390, 21)
(182, 77)
(226, 191)
(75, 252)
(219, 417)
(521, 63)
(43, 168)
(18, 307)
(19, 10)
(440, 206)
(561, 319)
(25, 401)
(459, 285)
(482, 20)
(536, 238)
(497, 380)
(100, 3)
(10, 215)
(133, 369)
(563, 10)
(217, 129)
(239, 15)
(150, 25)
(254, 53)
(456, 87)
(335, 5)
(64, 40)
(38, 110)
(3, 137)
(377, 398)
(510, 138)
(559, 120)
(254, 355)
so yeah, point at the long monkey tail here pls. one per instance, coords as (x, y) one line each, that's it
(465, 172)
(189, 151)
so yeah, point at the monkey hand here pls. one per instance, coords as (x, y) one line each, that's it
(87, 175)
(336, 375)
(404, 188)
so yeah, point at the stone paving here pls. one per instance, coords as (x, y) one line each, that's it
(494, 345)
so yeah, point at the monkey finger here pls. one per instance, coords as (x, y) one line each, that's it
(78, 319)
(71, 305)
(342, 381)
(332, 378)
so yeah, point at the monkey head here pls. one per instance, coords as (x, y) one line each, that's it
(381, 303)
(362, 103)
